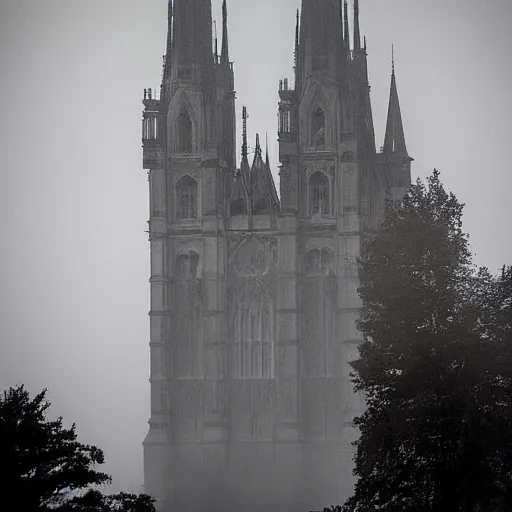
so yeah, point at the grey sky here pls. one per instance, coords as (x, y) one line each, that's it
(73, 200)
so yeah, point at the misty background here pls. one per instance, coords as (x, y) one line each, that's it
(74, 258)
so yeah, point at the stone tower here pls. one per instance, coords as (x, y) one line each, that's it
(254, 294)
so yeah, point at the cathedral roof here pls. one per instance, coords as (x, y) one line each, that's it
(263, 190)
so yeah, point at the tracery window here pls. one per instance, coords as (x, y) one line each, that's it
(184, 133)
(319, 195)
(254, 334)
(186, 195)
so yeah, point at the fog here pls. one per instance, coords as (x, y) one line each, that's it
(74, 258)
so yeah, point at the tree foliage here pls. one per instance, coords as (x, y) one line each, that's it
(435, 367)
(45, 468)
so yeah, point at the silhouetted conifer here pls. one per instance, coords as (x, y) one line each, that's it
(44, 467)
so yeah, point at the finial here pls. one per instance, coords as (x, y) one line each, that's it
(245, 116)
(258, 147)
(216, 54)
(357, 33)
(266, 148)
(341, 19)
(224, 58)
(393, 59)
(346, 28)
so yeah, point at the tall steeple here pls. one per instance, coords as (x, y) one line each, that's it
(320, 37)
(394, 140)
(224, 56)
(192, 53)
(167, 68)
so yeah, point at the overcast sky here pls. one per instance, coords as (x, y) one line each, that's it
(74, 197)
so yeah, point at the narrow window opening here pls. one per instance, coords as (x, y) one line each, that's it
(186, 194)
(184, 133)
(318, 129)
(319, 199)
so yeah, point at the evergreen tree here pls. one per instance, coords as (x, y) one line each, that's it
(44, 467)
(432, 369)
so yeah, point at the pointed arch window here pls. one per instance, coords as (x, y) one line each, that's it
(184, 133)
(186, 196)
(319, 195)
(318, 129)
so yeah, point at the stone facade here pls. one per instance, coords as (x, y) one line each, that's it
(253, 294)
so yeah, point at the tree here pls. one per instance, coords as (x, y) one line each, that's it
(431, 368)
(45, 468)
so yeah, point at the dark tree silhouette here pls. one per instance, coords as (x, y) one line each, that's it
(44, 467)
(435, 367)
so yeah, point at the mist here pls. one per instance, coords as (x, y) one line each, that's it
(74, 196)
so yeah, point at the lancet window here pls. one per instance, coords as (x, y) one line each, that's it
(319, 195)
(186, 195)
(318, 129)
(253, 332)
(184, 134)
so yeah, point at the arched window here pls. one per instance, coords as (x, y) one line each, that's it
(186, 197)
(318, 128)
(184, 133)
(319, 200)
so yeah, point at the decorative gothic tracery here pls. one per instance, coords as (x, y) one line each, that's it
(253, 332)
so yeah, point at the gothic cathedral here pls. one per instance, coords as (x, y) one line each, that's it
(253, 292)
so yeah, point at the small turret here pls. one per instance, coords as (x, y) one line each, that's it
(394, 141)
(263, 191)
(394, 157)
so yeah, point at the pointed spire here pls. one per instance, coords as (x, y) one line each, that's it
(357, 32)
(297, 27)
(394, 140)
(244, 136)
(216, 51)
(224, 58)
(263, 192)
(341, 20)
(346, 35)
(192, 37)
(167, 66)
(258, 147)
